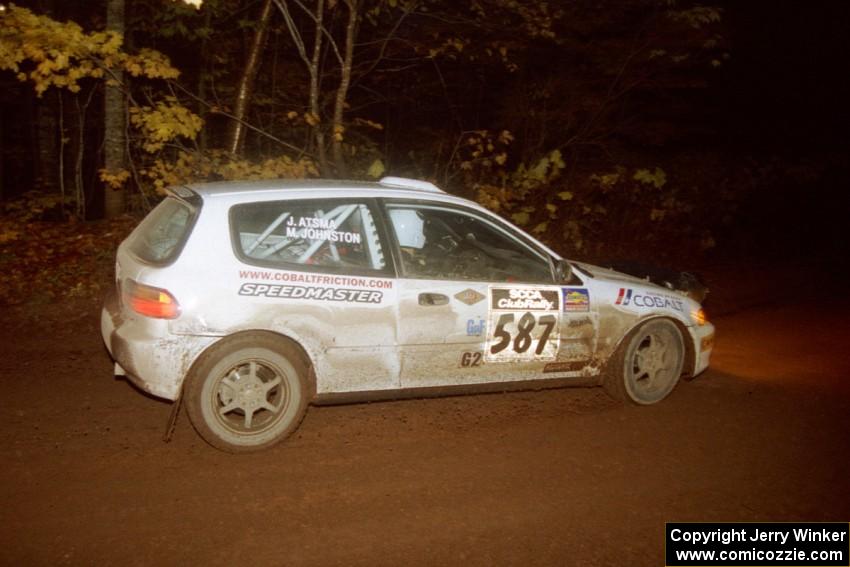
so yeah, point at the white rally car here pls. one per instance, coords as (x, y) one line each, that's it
(248, 301)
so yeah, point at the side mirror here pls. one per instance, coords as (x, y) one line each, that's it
(563, 271)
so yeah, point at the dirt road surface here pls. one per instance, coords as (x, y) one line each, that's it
(536, 478)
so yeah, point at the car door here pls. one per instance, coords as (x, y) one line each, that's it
(316, 270)
(477, 300)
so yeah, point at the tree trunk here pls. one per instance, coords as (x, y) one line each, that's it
(48, 144)
(315, 110)
(203, 77)
(342, 91)
(114, 120)
(246, 82)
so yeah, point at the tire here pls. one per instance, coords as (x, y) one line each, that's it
(647, 365)
(248, 392)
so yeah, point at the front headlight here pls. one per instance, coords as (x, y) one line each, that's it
(698, 315)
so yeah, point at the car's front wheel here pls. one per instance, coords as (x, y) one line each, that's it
(247, 392)
(648, 364)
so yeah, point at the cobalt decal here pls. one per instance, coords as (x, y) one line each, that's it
(627, 297)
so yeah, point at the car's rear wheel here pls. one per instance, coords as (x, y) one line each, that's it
(648, 364)
(247, 392)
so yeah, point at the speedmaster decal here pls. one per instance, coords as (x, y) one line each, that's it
(314, 293)
(523, 324)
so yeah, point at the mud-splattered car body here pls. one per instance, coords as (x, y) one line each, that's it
(381, 289)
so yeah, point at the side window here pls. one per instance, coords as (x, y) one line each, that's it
(160, 236)
(443, 243)
(321, 233)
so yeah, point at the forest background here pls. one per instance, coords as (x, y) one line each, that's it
(670, 131)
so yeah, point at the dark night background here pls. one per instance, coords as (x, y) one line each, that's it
(786, 95)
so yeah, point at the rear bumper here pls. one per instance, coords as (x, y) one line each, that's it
(152, 358)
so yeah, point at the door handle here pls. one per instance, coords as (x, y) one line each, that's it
(429, 299)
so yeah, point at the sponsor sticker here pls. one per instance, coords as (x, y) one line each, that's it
(307, 292)
(576, 299)
(475, 327)
(315, 228)
(581, 322)
(523, 324)
(469, 296)
(641, 299)
(570, 366)
(310, 278)
(524, 299)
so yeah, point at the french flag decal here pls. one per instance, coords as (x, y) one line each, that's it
(624, 297)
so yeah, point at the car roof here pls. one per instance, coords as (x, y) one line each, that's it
(293, 188)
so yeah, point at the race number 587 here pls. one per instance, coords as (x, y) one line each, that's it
(521, 337)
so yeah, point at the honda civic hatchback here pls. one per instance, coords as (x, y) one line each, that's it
(248, 301)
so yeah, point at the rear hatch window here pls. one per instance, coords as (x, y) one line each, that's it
(161, 235)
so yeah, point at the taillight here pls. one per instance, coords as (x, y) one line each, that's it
(150, 301)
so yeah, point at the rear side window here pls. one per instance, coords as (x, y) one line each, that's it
(161, 235)
(335, 235)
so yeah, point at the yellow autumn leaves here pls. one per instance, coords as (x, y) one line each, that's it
(164, 122)
(49, 53)
(219, 164)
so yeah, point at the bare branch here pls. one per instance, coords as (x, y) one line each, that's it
(325, 31)
(293, 30)
(386, 41)
(217, 110)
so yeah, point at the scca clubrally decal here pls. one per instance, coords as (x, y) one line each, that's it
(528, 299)
(343, 295)
(523, 324)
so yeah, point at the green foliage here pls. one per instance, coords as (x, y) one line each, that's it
(657, 178)
(608, 180)
(697, 16)
(376, 170)
(518, 186)
(613, 212)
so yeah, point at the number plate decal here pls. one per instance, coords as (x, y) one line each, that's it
(523, 324)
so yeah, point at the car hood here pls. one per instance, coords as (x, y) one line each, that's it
(606, 274)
